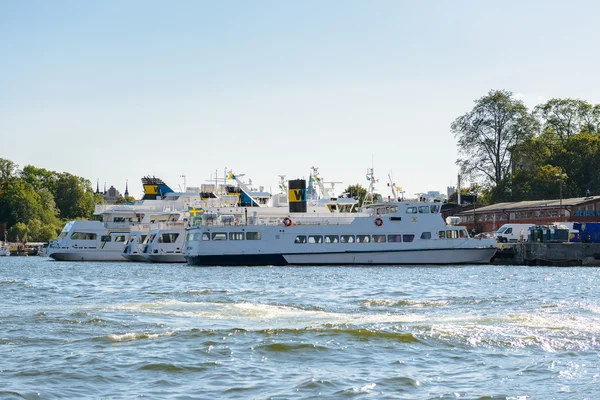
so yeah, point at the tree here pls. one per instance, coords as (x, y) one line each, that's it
(488, 135)
(17, 232)
(74, 196)
(357, 192)
(565, 118)
(40, 178)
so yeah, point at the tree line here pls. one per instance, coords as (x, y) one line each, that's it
(35, 203)
(511, 153)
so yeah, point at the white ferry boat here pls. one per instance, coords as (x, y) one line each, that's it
(105, 240)
(383, 233)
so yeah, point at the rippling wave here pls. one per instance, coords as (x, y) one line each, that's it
(161, 331)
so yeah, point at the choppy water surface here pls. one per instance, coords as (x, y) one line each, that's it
(123, 330)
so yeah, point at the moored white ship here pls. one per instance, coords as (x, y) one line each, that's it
(105, 240)
(403, 233)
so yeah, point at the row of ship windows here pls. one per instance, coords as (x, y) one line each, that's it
(423, 209)
(449, 234)
(223, 236)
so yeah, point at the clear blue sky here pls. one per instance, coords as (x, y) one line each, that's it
(114, 90)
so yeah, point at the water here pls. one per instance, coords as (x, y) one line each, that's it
(125, 330)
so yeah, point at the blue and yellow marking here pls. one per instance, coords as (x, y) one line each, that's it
(297, 195)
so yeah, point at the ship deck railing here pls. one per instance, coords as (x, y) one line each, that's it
(323, 219)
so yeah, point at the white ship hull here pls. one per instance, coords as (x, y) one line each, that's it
(86, 255)
(134, 257)
(165, 258)
(404, 257)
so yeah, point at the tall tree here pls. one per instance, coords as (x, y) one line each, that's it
(74, 196)
(565, 118)
(488, 135)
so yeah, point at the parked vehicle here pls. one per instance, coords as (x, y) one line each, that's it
(513, 232)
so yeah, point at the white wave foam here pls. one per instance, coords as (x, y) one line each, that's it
(138, 335)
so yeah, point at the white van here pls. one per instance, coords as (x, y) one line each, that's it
(512, 232)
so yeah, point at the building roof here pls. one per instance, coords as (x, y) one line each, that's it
(532, 204)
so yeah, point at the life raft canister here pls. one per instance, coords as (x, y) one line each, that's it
(378, 221)
(287, 221)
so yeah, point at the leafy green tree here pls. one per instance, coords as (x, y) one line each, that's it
(122, 200)
(488, 135)
(40, 178)
(74, 196)
(23, 203)
(17, 232)
(580, 160)
(565, 118)
(356, 192)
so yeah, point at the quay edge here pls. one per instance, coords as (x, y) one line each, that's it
(549, 254)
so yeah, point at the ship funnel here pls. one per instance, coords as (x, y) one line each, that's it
(297, 195)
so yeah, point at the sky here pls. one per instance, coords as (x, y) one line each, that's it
(116, 90)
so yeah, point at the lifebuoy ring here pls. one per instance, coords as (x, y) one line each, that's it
(287, 221)
(378, 221)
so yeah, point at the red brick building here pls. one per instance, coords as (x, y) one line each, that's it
(539, 212)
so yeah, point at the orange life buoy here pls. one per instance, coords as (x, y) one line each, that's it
(287, 221)
(378, 221)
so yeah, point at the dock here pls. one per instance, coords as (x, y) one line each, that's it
(551, 254)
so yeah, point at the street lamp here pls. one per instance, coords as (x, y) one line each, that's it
(560, 177)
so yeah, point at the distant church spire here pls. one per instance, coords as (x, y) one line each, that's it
(126, 188)
(98, 186)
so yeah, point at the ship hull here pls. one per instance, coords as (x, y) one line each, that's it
(401, 257)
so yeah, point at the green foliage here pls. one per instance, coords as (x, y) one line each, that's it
(520, 156)
(356, 192)
(122, 200)
(488, 134)
(32, 200)
(17, 232)
(74, 196)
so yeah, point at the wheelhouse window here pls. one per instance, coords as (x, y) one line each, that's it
(236, 235)
(463, 234)
(331, 239)
(378, 238)
(120, 239)
(253, 236)
(105, 238)
(394, 238)
(426, 235)
(219, 236)
(300, 239)
(363, 238)
(205, 236)
(315, 239)
(423, 209)
(83, 236)
(435, 209)
(452, 234)
(411, 210)
(347, 239)
(408, 238)
(442, 235)
(168, 238)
